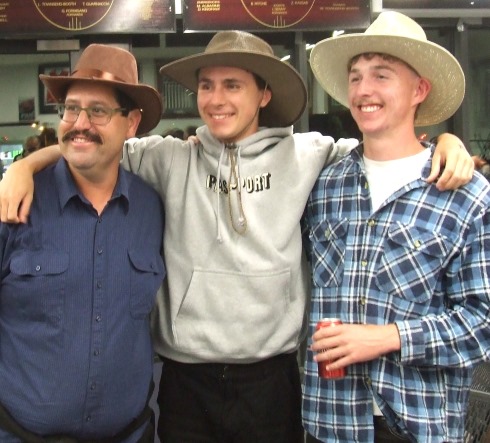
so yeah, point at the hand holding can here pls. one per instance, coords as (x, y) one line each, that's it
(322, 365)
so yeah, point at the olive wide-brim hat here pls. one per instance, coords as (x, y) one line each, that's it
(397, 35)
(239, 49)
(115, 67)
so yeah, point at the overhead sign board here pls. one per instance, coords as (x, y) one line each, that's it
(55, 17)
(436, 4)
(273, 15)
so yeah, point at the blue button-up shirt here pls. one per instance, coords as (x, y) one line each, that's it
(76, 292)
(421, 261)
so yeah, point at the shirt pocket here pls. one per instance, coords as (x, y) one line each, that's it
(146, 275)
(411, 262)
(37, 283)
(328, 252)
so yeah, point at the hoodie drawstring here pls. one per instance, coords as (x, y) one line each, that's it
(234, 183)
(218, 191)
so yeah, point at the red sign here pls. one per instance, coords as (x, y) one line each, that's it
(54, 17)
(287, 15)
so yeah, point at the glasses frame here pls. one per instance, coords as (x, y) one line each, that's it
(61, 108)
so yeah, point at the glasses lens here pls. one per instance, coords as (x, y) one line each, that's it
(100, 116)
(69, 113)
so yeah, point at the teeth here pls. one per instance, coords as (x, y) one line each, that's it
(219, 117)
(371, 108)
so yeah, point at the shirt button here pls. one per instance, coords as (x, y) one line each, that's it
(327, 233)
(93, 386)
(363, 301)
(96, 352)
(38, 268)
(371, 223)
(98, 318)
(99, 251)
(88, 418)
(417, 244)
(99, 285)
(364, 263)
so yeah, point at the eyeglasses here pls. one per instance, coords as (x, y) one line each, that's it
(97, 115)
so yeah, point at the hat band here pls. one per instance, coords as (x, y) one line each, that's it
(96, 74)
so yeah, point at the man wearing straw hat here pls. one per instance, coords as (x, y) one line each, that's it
(231, 315)
(79, 280)
(404, 267)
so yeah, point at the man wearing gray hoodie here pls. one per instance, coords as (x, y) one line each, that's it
(232, 313)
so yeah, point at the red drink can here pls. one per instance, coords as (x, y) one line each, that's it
(322, 370)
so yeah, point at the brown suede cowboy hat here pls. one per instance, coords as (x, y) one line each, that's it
(397, 35)
(116, 67)
(243, 50)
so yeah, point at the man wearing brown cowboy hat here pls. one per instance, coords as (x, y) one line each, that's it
(231, 315)
(79, 280)
(403, 266)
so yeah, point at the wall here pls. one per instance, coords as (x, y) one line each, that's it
(19, 79)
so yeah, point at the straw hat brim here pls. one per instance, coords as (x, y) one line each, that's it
(145, 97)
(330, 57)
(289, 96)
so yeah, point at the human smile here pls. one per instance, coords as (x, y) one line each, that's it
(81, 137)
(369, 108)
(220, 116)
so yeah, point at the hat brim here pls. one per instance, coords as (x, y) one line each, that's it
(289, 96)
(145, 97)
(330, 57)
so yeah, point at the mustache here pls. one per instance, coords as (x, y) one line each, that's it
(85, 133)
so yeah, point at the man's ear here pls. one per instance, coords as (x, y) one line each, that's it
(134, 118)
(423, 89)
(266, 98)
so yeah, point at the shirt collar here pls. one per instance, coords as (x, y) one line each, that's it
(67, 189)
(357, 156)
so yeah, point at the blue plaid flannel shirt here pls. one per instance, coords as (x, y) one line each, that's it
(421, 261)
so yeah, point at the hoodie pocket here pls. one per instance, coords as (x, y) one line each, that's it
(328, 248)
(233, 315)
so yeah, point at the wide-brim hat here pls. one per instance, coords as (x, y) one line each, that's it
(397, 35)
(116, 67)
(243, 50)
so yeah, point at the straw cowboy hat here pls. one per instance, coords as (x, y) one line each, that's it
(399, 36)
(240, 49)
(115, 67)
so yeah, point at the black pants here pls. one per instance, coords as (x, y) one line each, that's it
(219, 403)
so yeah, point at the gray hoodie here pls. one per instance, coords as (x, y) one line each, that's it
(237, 280)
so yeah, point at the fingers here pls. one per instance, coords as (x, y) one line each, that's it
(456, 172)
(8, 213)
(456, 175)
(14, 207)
(24, 209)
(436, 168)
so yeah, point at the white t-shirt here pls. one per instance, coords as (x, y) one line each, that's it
(386, 177)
